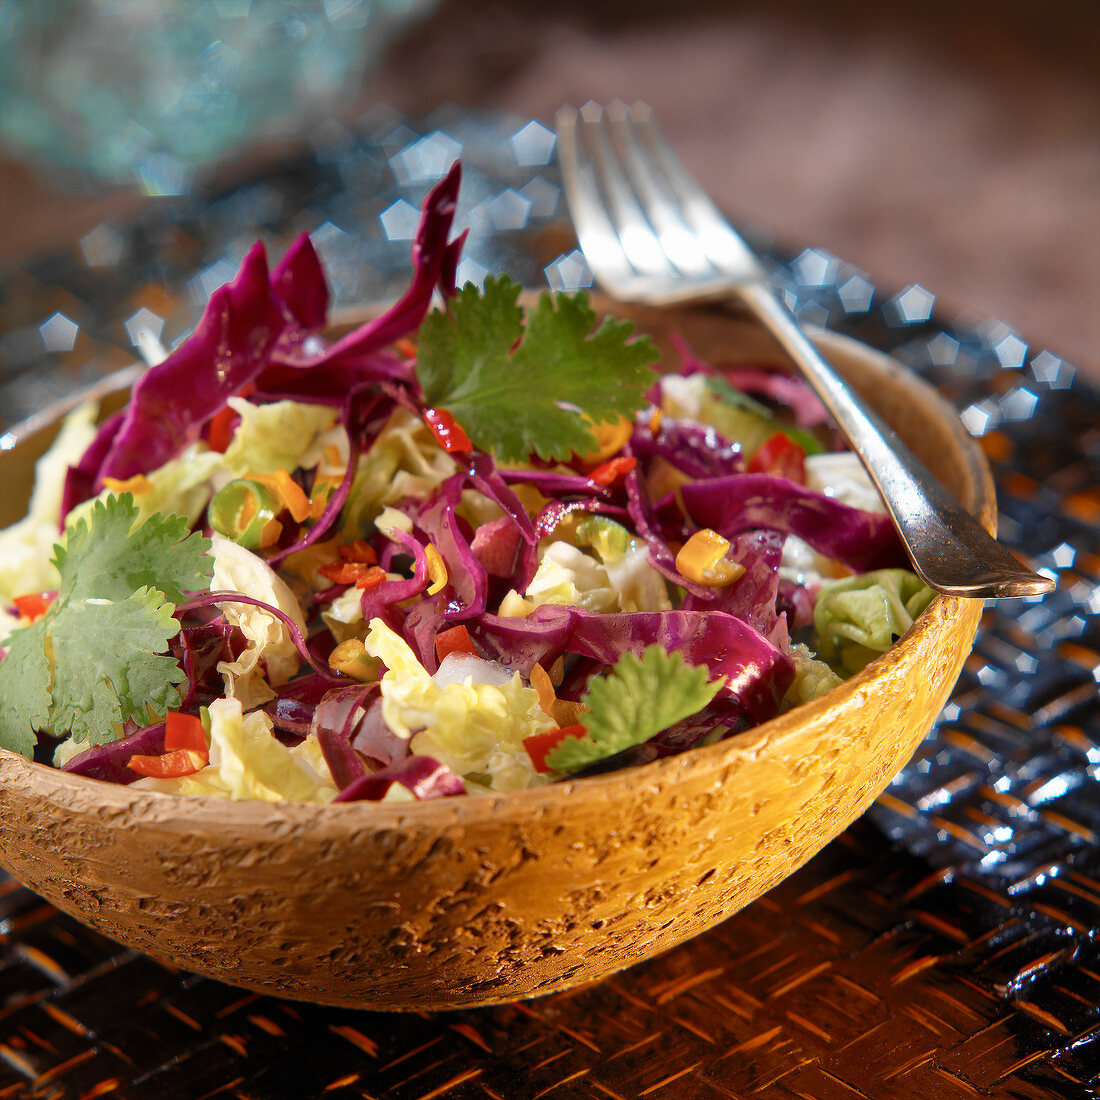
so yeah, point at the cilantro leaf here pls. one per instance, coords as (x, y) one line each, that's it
(98, 655)
(98, 686)
(24, 689)
(521, 389)
(100, 558)
(634, 702)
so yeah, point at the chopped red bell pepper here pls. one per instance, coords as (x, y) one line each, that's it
(185, 731)
(360, 550)
(343, 572)
(358, 573)
(538, 745)
(447, 431)
(614, 470)
(219, 431)
(372, 578)
(169, 765)
(455, 640)
(33, 605)
(779, 455)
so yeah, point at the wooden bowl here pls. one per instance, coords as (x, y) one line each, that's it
(480, 900)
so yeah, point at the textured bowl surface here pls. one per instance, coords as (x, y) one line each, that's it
(471, 901)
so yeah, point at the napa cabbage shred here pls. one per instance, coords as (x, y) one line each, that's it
(472, 548)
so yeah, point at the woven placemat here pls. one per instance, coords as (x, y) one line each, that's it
(955, 955)
(862, 975)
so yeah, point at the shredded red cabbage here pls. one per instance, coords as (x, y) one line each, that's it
(730, 505)
(253, 332)
(199, 649)
(172, 401)
(434, 265)
(214, 598)
(376, 741)
(109, 762)
(377, 600)
(299, 284)
(80, 480)
(753, 598)
(424, 777)
(696, 449)
(335, 720)
(757, 673)
(439, 522)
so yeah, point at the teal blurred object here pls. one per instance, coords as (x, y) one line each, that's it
(150, 91)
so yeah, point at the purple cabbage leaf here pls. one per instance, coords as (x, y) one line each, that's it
(729, 505)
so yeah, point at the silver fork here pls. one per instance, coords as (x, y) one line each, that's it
(651, 234)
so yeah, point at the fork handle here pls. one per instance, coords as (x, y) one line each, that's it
(950, 550)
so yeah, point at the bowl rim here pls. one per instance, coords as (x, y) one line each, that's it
(199, 812)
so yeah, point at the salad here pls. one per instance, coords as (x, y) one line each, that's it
(457, 550)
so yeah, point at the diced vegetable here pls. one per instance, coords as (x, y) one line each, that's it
(245, 512)
(779, 455)
(448, 432)
(359, 551)
(539, 744)
(748, 422)
(34, 605)
(612, 471)
(351, 658)
(455, 640)
(611, 436)
(702, 559)
(185, 731)
(169, 765)
(219, 431)
(287, 492)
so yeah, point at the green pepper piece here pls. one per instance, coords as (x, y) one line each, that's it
(610, 540)
(744, 420)
(242, 512)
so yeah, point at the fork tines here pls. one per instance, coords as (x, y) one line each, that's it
(648, 230)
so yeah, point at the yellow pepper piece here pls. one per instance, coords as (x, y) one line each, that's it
(437, 569)
(702, 559)
(289, 492)
(138, 485)
(541, 682)
(610, 439)
(270, 534)
(323, 488)
(351, 658)
(567, 712)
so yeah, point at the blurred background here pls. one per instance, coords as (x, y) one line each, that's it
(951, 145)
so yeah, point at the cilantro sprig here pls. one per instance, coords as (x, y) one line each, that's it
(639, 698)
(526, 388)
(98, 655)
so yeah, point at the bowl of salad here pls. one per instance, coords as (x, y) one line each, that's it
(478, 651)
